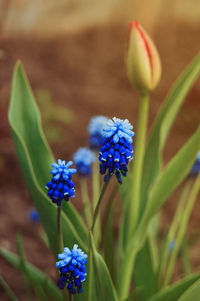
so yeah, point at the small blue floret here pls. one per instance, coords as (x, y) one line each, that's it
(117, 150)
(61, 187)
(83, 160)
(195, 170)
(33, 216)
(72, 269)
(95, 129)
(171, 245)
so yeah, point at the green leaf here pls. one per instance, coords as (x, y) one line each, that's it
(182, 229)
(8, 290)
(23, 268)
(35, 160)
(108, 242)
(176, 171)
(144, 272)
(40, 293)
(169, 179)
(36, 276)
(162, 125)
(192, 294)
(173, 292)
(89, 289)
(104, 286)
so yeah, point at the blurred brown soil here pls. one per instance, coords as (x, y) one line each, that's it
(85, 72)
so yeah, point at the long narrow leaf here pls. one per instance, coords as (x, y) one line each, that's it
(144, 275)
(192, 294)
(8, 290)
(36, 276)
(173, 292)
(170, 178)
(163, 123)
(35, 159)
(173, 174)
(103, 281)
(182, 229)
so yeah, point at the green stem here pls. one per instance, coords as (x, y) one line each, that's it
(86, 201)
(186, 258)
(95, 182)
(182, 230)
(70, 297)
(60, 240)
(96, 193)
(138, 163)
(99, 203)
(59, 229)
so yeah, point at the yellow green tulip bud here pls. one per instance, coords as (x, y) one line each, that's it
(142, 60)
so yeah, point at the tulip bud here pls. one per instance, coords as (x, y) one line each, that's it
(142, 60)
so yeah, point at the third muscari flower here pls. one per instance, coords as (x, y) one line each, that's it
(61, 186)
(83, 160)
(95, 130)
(117, 150)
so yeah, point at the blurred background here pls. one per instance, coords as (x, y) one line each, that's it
(73, 53)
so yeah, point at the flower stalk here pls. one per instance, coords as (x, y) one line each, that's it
(96, 211)
(95, 195)
(59, 229)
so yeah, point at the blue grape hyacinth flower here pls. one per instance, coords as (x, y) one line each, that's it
(95, 129)
(83, 160)
(195, 170)
(117, 150)
(61, 186)
(72, 269)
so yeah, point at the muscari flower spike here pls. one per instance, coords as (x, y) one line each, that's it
(195, 170)
(61, 187)
(95, 129)
(117, 150)
(72, 269)
(83, 160)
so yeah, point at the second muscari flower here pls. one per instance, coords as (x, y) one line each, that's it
(95, 130)
(72, 269)
(61, 186)
(83, 160)
(117, 150)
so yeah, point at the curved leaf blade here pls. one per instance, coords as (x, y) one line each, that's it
(35, 160)
(104, 285)
(36, 276)
(192, 293)
(175, 291)
(162, 126)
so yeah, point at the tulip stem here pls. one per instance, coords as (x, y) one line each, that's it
(138, 163)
